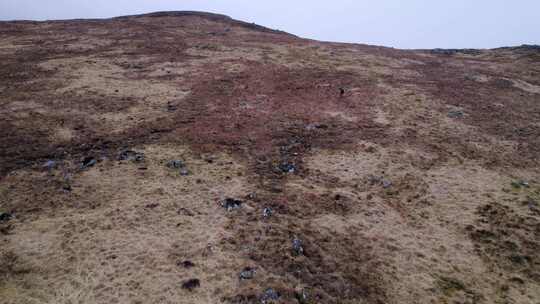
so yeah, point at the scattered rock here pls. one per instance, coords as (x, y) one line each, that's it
(316, 126)
(176, 164)
(287, 168)
(267, 212)
(297, 246)
(4, 216)
(371, 149)
(184, 211)
(517, 280)
(247, 274)
(88, 162)
(341, 91)
(470, 77)
(230, 204)
(186, 264)
(456, 114)
(184, 172)
(386, 184)
(151, 206)
(171, 107)
(374, 180)
(269, 295)
(191, 284)
(208, 251)
(520, 184)
(503, 83)
(301, 296)
(50, 164)
(131, 155)
(519, 259)
(379, 180)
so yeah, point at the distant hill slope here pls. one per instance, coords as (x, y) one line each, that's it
(186, 157)
(210, 16)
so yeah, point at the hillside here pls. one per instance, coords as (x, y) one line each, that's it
(186, 157)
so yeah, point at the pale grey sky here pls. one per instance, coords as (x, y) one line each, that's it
(395, 23)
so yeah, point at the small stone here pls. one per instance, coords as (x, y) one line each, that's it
(125, 155)
(301, 295)
(519, 259)
(315, 126)
(287, 167)
(247, 274)
(519, 184)
(191, 284)
(186, 212)
(131, 155)
(386, 184)
(371, 149)
(4, 216)
(374, 180)
(184, 172)
(230, 204)
(456, 114)
(297, 246)
(175, 164)
(524, 183)
(171, 107)
(267, 212)
(151, 206)
(112, 257)
(88, 162)
(49, 165)
(269, 295)
(186, 264)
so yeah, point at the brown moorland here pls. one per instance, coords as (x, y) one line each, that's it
(186, 157)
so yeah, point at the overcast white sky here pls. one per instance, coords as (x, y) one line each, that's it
(395, 23)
